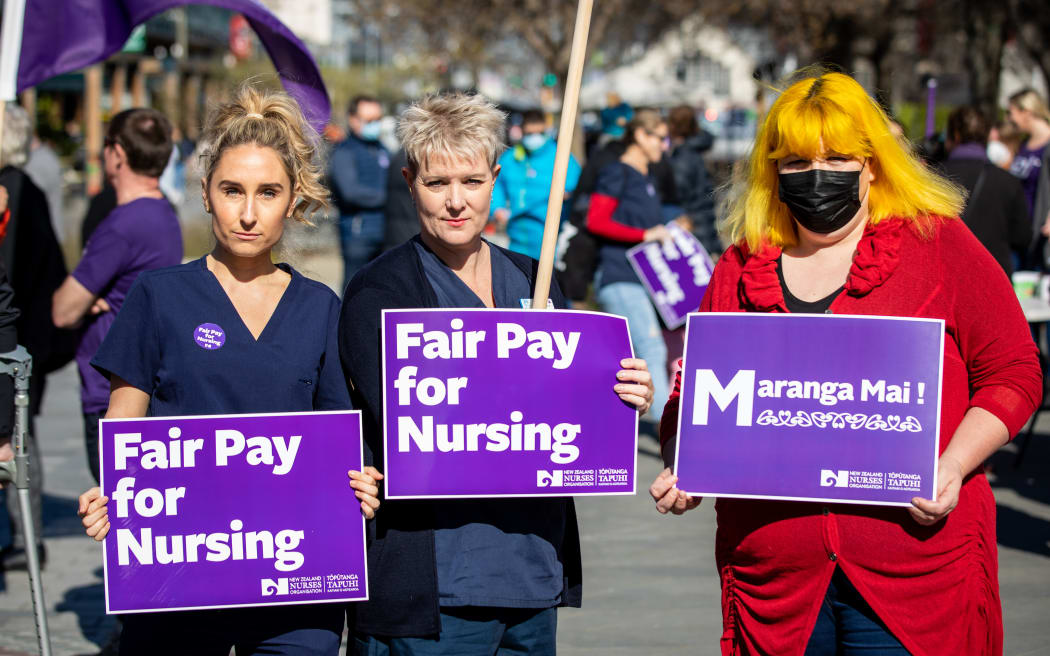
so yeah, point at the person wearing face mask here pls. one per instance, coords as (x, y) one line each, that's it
(1029, 112)
(357, 174)
(626, 209)
(834, 214)
(996, 210)
(277, 351)
(520, 195)
(460, 577)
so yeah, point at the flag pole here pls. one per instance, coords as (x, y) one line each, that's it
(10, 49)
(11, 46)
(570, 104)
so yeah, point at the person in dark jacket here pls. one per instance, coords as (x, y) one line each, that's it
(35, 269)
(357, 171)
(996, 210)
(463, 576)
(578, 248)
(8, 342)
(400, 210)
(696, 195)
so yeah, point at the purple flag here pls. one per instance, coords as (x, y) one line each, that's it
(810, 407)
(674, 273)
(234, 510)
(60, 36)
(487, 403)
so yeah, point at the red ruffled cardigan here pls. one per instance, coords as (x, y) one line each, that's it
(936, 588)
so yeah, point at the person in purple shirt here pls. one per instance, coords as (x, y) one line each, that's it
(140, 234)
(1029, 112)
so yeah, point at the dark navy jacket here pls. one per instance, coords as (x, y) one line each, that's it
(402, 585)
(357, 176)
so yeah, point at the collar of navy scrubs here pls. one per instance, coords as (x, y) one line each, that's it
(509, 283)
(278, 311)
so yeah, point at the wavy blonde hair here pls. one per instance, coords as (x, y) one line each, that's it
(822, 112)
(269, 119)
(1030, 100)
(459, 125)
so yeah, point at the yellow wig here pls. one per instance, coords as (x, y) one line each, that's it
(830, 112)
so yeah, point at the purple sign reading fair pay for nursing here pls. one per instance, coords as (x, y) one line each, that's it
(675, 273)
(810, 407)
(488, 403)
(233, 510)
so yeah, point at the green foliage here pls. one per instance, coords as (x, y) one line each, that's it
(912, 117)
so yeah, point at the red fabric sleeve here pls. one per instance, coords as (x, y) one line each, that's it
(992, 332)
(600, 222)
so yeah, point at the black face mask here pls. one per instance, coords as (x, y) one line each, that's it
(821, 201)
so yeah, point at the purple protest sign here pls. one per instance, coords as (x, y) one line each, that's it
(513, 403)
(810, 407)
(234, 510)
(675, 273)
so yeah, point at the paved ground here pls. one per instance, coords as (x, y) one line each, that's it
(650, 581)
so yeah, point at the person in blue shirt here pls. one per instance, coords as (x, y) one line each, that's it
(357, 172)
(521, 192)
(276, 351)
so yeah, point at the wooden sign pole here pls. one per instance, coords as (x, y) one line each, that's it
(570, 104)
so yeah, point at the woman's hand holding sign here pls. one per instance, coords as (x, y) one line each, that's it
(979, 435)
(366, 489)
(669, 498)
(636, 384)
(949, 481)
(93, 513)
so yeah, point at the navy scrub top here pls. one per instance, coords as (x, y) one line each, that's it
(495, 552)
(179, 338)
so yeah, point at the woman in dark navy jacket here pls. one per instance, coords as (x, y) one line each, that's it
(269, 345)
(463, 577)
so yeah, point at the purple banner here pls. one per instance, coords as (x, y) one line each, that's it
(235, 510)
(810, 407)
(62, 36)
(675, 272)
(490, 403)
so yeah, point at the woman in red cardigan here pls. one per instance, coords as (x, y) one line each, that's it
(836, 215)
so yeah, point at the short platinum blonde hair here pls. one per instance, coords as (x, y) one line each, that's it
(457, 125)
(17, 134)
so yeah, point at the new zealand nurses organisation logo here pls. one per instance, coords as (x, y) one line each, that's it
(848, 478)
(209, 336)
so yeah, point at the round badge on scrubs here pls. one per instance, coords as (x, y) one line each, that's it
(209, 336)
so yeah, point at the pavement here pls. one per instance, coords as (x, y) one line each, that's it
(650, 584)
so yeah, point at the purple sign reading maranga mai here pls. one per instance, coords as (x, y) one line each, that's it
(675, 273)
(234, 510)
(489, 403)
(810, 407)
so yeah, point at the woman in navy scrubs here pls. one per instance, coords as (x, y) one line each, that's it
(235, 333)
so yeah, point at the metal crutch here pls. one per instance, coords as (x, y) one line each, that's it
(19, 365)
